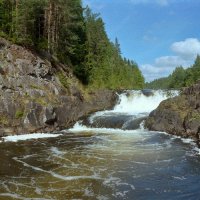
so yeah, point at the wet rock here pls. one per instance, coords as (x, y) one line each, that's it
(147, 92)
(179, 115)
(109, 121)
(133, 124)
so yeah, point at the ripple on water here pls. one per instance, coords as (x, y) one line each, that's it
(100, 163)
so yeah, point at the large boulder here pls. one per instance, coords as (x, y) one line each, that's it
(179, 115)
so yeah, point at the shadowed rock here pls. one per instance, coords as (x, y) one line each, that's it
(109, 121)
(179, 115)
(125, 122)
(147, 92)
(133, 124)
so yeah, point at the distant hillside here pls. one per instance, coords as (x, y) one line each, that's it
(179, 78)
(161, 83)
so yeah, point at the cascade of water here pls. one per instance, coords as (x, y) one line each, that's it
(114, 157)
(135, 102)
(129, 112)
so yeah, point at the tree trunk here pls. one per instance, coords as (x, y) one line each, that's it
(51, 25)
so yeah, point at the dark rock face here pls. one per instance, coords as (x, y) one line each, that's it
(36, 98)
(108, 121)
(147, 92)
(179, 115)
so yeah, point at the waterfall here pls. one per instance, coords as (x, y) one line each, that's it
(129, 112)
(135, 102)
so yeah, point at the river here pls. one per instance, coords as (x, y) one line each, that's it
(110, 155)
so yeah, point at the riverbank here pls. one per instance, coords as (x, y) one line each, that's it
(179, 115)
(39, 95)
(108, 158)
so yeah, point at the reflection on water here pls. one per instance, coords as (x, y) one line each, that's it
(137, 165)
(89, 162)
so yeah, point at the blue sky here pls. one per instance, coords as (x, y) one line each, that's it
(158, 34)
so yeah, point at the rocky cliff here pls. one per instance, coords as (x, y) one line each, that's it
(179, 115)
(41, 96)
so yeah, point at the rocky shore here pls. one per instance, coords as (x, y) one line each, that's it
(179, 115)
(42, 96)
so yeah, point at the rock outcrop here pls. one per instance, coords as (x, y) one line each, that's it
(38, 96)
(179, 115)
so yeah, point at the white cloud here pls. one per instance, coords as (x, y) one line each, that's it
(163, 66)
(152, 72)
(159, 2)
(187, 49)
(185, 54)
(170, 61)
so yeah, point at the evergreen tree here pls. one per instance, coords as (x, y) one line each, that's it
(6, 17)
(29, 22)
(196, 69)
(179, 78)
(74, 37)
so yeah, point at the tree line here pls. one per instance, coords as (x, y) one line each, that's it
(179, 78)
(74, 36)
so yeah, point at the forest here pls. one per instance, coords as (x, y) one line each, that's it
(179, 78)
(72, 35)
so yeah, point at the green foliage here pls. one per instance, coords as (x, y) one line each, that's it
(104, 65)
(63, 79)
(179, 78)
(3, 120)
(161, 83)
(41, 100)
(74, 36)
(195, 116)
(19, 114)
(35, 87)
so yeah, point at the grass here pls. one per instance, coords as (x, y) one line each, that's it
(195, 116)
(3, 120)
(35, 87)
(42, 101)
(63, 79)
(19, 114)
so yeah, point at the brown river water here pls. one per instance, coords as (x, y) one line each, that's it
(95, 161)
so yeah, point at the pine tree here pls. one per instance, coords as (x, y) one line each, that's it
(196, 69)
(76, 38)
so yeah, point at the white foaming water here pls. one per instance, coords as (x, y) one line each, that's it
(78, 127)
(16, 138)
(104, 163)
(135, 102)
(132, 103)
(56, 151)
